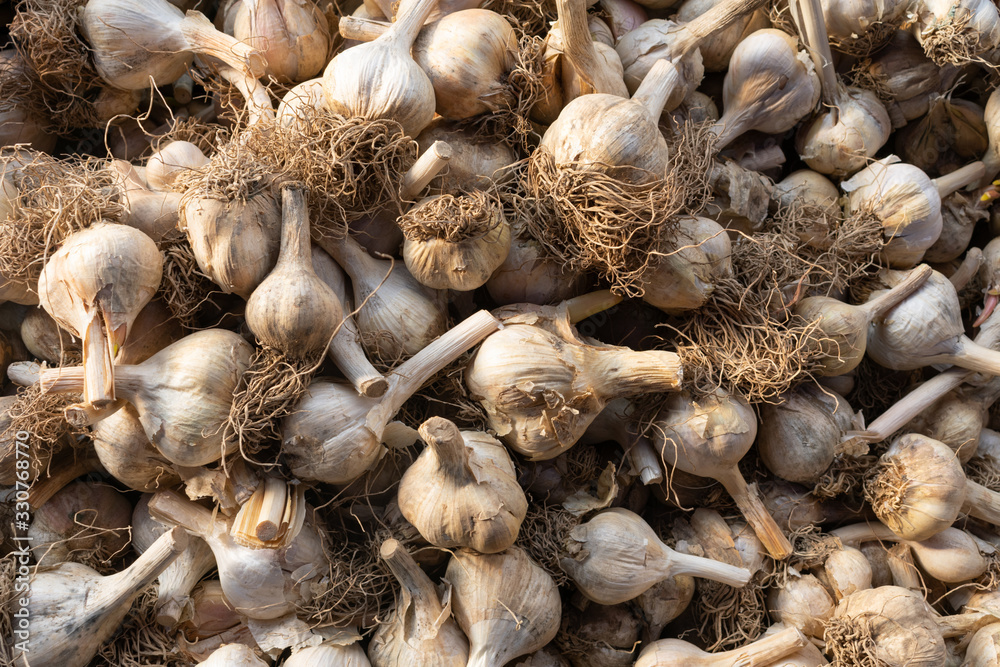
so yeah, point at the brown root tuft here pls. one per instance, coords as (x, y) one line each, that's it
(184, 288)
(730, 617)
(543, 534)
(40, 415)
(849, 642)
(531, 16)
(886, 487)
(844, 477)
(954, 42)
(453, 219)
(268, 392)
(871, 40)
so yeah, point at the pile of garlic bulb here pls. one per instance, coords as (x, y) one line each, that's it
(494, 333)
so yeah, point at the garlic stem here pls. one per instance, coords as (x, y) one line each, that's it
(408, 377)
(646, 461)
(42, 491)
(578, 47)
(183, 89)
(413, 580)
(981, 503)
(425, 169)
(194, 518)
(407, 25)
(199, 31)
(972, 356)
(958, 179)
(654, 90)
(961, 625)
(98, 379)
(271, 509)
(121, 588)
(581, 307)
(446, 440)
(361, 29)
(630, 373)
(258, 100)
(813, 29)
(707, 568)
(752, 507)
(879, 305)
(966, 271)
(349, 357)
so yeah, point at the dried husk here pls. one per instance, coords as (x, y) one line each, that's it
(82, 523)
(462, 490)
(951, 134)
(862, 28)
(506, 605)
(641, 48)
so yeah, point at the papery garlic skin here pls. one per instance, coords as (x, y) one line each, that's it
(847, 571)
(293, 36)
(984, 647)
(233, 655)
(956, 31)
(641, 48)
(529, 275)
(328, 655)
(685, 278)
(462, 490)
(843, 140)
(802, 602)
(717, 49)
(862, 28)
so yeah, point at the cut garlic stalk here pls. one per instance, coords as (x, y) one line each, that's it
(766, 651)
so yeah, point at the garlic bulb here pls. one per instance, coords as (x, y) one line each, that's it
(799, 437)
(234, 241)
(609, 134)
(991, 158)
(801, 602)
(766, 651)
(707, 437)
(161, 45)
(328, 655)
(956, 420)
(918, 487)
(335, 435)
(180, 577)
(717, 48)
(293, 310)
(74, 610)
(769, 87)
(622, 16)
(685, 278)
(951, 134)
(156, 214)
(641, 48)
(462, 490)
(842, 329)
(809, 188)
(616, 556)
(300, 104)
(956, 31)
(541, 384)
(261, 583)
(530, 275)
(475, 163)
(345, 349)
(984, 647)
(166, 164)
(902, 340)
(81, 520)
(853, 125)
(398, 316)
(846, 571)
(907, 203)
(890, 624)
(233, 655)
(44, 339)
(94, 286)
(421, 630)
(506, 605)
(807, 656)
(455, 242)
(127, 454)
(862, 28)
(380, 79)
(183, 393)
(903, 76)
(292, 35)
(208, 614)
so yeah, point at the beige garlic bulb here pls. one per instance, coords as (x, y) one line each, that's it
(94, 286)
(769, 87)
(301, 104)
(641, 48)
(261, 583)
(530, 275)
(127, 454)
(506, 605)
(235, 242)
(950, 556)
(44, 339)
(766, 651)
(542, 385)
(398, 315)
(161, 45)
(801, 602)
(862, 28)
(956, 31)
(166, 164)
(179, 579)
(156, 214)
(807, 187)
(233, 655)
(846, 571)
(475, 164)
(609, 134)
(852, 125)
(951, 134)
(73, 610)
(843, 329)
(616, 556)
(455, 242)
(421, 630)
(925, 328)
(81, 519)
(685, 278)
(957, 420)
(717, 48)
(183, 394)
(208, 615)
(380, 80)
(462, 490)
(335, 435)
(907, 202)
(984, 647)
(893, 625)
(799, 437)
(329, 655)
(904, 77)
(292, 309)
(292, 35)
(708, 436)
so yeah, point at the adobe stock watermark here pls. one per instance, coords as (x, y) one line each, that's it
(21, 616)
